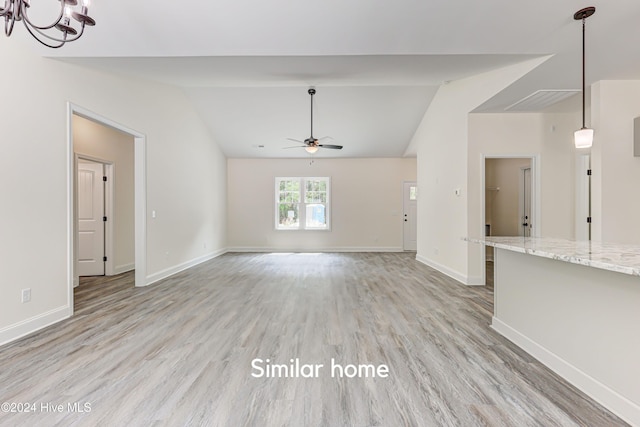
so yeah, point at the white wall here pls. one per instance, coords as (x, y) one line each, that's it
(101, 142)
(366, 204)
(616, 172)
(186, 179)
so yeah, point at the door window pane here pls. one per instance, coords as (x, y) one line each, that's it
(413, 192)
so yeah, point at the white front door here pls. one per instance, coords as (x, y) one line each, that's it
(90, 218)
(410, 216)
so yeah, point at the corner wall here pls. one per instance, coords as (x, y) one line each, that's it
(616, 172)
(548, 137)
(186, 180)
(442, 145)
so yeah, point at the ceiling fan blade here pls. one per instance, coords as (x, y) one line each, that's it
(295, 140)
(325, 138)
(335, 147)
(295, 146)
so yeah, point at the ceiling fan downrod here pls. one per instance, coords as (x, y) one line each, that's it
(312, 92)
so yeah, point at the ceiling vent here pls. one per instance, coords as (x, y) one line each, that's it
(541, 99)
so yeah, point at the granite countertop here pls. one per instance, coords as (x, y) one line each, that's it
(621, 258)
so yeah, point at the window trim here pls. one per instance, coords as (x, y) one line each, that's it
(302, 204)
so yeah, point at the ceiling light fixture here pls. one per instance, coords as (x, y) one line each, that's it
(17, 10)
(583, 138)
(311, 149)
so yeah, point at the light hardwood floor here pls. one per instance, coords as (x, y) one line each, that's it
(179, 352)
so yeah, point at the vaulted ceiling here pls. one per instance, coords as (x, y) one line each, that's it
(246, 65)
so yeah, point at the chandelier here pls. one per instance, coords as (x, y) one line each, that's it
(55, 34)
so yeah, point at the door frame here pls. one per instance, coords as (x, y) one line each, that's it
(109, 198)
(140, 196)
(583, 197)
(521, 204)
(535, 196)
(404, 209)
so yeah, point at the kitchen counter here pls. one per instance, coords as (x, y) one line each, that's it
(620, 258)
(574, 306)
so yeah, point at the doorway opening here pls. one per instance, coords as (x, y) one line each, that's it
(510, 204)
(135, 227)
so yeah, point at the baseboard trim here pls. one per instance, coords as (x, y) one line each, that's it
(616, 403)
(153, 278)
(312, 250)
(475, 281)
(29, 326)
(119, 269)
(444, 270)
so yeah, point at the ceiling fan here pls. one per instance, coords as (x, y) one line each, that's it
(311, 144)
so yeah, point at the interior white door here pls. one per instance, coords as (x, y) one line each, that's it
(90, 219)
(410, 217)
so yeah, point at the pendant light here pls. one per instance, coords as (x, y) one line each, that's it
(583, 138)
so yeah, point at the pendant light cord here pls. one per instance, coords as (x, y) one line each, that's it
(583, 73)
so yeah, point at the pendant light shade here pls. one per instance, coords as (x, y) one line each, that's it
(583, 138)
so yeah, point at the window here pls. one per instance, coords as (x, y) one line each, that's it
(302, 203)
(413, 193)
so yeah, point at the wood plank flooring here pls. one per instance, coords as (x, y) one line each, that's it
(179, 352)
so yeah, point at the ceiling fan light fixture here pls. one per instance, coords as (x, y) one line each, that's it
(311, 145)
(311, 149)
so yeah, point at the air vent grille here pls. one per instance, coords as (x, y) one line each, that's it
(541, 99)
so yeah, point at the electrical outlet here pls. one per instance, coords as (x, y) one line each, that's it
(26, 295)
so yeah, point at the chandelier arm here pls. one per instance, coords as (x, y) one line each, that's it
(8, 24)
(63, 40)
(5, 10)
(40, 31)
(37, 37)
(25, 17)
